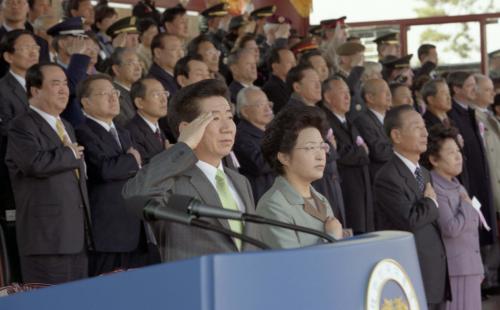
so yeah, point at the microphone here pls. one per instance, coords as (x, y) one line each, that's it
(150, 210)
(194, 207)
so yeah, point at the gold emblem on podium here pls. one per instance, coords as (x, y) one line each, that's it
(385, 271)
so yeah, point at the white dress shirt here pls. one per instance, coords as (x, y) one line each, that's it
(210, 171)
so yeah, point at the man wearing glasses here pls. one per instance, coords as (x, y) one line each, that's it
(111, 160)
(125, 69)
(150, 99)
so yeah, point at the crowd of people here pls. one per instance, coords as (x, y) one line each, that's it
(100, 113)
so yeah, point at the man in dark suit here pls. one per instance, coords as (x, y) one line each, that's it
(463, 89)
(405, 200)
(20, 51)
(126, 69)
(120, 242)
(48, 178)
(255, 112)
(243, 67)
(150, 99)
(462, 86)
(190, 69)
(437, 98)
(280, 61)
(193, 167)
(167, 50)
(15, 17)
(305, 83)
(370, 123)
(353, 158)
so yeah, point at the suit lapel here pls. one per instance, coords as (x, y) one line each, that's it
(45, 128)
(206, 191)
(410, 180)
(19, 91)
(374, 119)
(148, 133)
(104, 134)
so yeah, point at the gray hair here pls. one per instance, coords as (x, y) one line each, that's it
(242, 98)
(370, 68)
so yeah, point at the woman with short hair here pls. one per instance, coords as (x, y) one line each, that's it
(294, 145)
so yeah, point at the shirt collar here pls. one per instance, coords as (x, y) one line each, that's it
(342, 119)
(209, 171)
(154, 127)
(105, 125)
(463, 105)
(51, 119)
(125, 87)
(19, 78)
(408, 163)
(379, 116)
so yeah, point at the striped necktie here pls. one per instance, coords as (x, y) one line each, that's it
(61, 132)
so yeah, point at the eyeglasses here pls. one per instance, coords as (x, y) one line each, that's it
(262, 104)
(131, 63)
(159, 94)
(15, 2)
(324, 147)
(27, 48)
(109, 93)
(211, 52)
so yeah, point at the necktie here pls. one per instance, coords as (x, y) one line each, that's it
(420, 179)
(228, 202)
(61, 132)
(114, 133)
(158, 136)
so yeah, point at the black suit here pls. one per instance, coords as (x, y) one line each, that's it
(109, 167)
(354, 173)
(44, 55)
(165, 78)
(52, 204)
(477, 167)
(277, 91)
(400, 205)
(252, 163)
(372, 131)
(145, 140)
(14, 102)
(234, 89)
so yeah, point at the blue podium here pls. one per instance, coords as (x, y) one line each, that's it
(372, 271)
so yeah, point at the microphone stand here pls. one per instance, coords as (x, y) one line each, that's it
(222, 230)
(262, 220)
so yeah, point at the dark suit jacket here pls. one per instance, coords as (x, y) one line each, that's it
(253, 165)
(52, 203)
(372, 131)
(127, 107)
(44, 49)
(277, 91)
(401, 206)
(144, 138)
(234, 89)
(109, 167)
(164, 77)
(477, 167)
(76, 72)
(354, 173)
(14, 102)
(174, 171)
